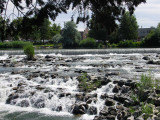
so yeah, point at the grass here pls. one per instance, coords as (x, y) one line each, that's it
(29, 51)
(147, 84)
(14, 44)
(86, 84)
(147, 109)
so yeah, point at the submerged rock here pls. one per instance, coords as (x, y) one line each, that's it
(79, 108)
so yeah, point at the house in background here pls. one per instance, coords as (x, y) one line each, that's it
(143, 32)
(84, 33)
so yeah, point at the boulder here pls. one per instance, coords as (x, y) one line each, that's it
(92, 110)
(109, 102)
(146, 58)
(116, 89)
(24, 103)
(79, 108)
(11, 97)
(39, 103)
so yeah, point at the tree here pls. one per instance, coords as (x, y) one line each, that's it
(97, 32)
(3, 28)
(153, 38)
(45, 30)
(16, 28)
(128, 27)
(104, 12)
(57, 38)
(55, 29)
(70, 35)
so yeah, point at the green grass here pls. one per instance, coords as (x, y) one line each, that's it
(147, 109)
(29, 51)
(14, 44)
(86, 84)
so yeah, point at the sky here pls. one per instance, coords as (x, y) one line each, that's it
(147, 15)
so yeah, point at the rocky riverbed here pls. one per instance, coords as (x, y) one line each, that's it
(91, 86)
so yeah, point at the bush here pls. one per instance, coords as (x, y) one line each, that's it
(129, 43)
(29, 51)
(13, 44)
(147, 109)
(88, 43)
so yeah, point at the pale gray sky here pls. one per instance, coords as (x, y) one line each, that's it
(147, 15)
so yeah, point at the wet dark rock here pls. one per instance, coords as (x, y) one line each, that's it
(157, 91)
(105, 81)
(39, 103)
(11, 97)
(24, 103)
(79, 108)
(125, 89)
(121, 83)
(111, 74)
(116, 89)
(38, 87)
(104, 111)
(61, 95)
(130, 83)
(109, 102)
(104, 96)
(92, 110)
(137, 113)
(47, 56)
(146, 58)
(59, 108)
(112, 111)
(89, 101)
(150, 62)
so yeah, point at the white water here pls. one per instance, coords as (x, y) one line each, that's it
(60, 85)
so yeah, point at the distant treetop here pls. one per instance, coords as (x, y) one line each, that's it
(104, 12)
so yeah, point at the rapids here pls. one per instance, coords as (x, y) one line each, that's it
(51, 98)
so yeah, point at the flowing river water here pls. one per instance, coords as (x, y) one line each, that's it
(51, 91)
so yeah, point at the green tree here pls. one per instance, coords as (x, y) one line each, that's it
(70, 35)
(105, 12)
(16, 28)
(57, 38)
(97, 31)
(3, 28)
(45, 30)
(55, 29)
(153, 38)
(128, 27)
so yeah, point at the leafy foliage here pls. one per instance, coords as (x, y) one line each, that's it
(97, 32)
(129, 43)
(29, 51)
(147, 109)
(105, 12)
(88, 43)
(13, 44)
(128, 27)
(70, 35)
(86, 84)
(153, 38)
(57, 38)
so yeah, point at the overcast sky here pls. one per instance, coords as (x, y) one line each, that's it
(147, 15)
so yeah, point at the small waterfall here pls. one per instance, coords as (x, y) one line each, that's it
(51, 86)
(84, 51)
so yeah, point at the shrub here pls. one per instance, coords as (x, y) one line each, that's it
(29, 51)
(147, 109)
(13, 44)
(88, 43)
(129, 43)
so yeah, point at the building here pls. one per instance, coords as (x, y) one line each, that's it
(84, 33)
(143, 32)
